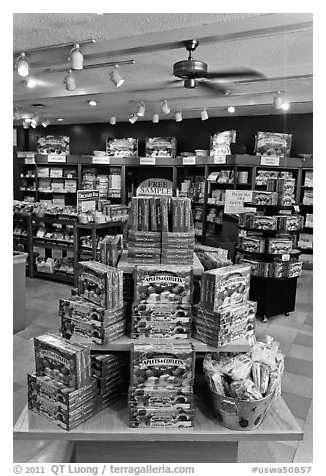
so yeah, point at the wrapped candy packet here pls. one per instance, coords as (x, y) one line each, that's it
(245, 390)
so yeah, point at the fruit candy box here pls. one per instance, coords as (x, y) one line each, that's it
(163, 284)
(161, 312)
(100, 284)
(93, 333)
(158, 417)
(251, 244)
(279, 246)
(160, 330)
(80, 310)
(294, 269)
(223, 287)
(263, 222)
(264, 198)
(167, 366)
(67, 363)
(226, 318)
(171, 399)
(289, 223)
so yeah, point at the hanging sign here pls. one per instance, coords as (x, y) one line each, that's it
(56, 158)
(234, 200)
(219, 159)
(155, 186)
(87, 200)
(190, 160)
(273, 160)
(147, 161)
(101, 160)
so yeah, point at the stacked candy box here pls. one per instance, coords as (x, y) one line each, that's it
(227, 326)
(93, 332)
(226, 286)
(109, 371)
(161, 385)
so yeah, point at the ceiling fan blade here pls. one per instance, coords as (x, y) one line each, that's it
(236, 73)
(211, 87)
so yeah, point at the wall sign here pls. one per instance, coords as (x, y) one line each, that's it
(155, 186)
(87, 200)
(101, 160)
(234, 200)
(56, 158)
(273, 160)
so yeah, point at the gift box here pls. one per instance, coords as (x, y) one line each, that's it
(279, 246)
(160, 147)
(260, 197)
(289, 223)
(169, 399)
(93, 332)
(126, 147)
(223, 287)
(251, 244)
(159, 417)
(80, 310)
(273, 143)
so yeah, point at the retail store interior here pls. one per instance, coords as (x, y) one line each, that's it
(163, 183)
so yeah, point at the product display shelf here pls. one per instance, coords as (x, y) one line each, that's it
(107, 433)
(25, 241)
(306, 209)
(264, 289)
(58, 277)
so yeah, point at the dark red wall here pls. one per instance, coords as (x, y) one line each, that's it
(191, 133)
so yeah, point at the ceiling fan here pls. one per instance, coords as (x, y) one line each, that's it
(195, 73)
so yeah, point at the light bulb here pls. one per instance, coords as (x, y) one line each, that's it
(178, 116)
(204, 115)
(113, 120)
(285, 106)
(231, 109)
(155, 118)
(92, 102)
(116, 77)
(22, 65)
(60, 119)
(76, 58)
(141, 110)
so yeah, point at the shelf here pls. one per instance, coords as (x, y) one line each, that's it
(218, 205)
(308, 251)
(56, 245)
(26, 190)
(258, 230)
(58, 277)
(55, 219)
(112, 425)
(305, 205)
(98, 226)
(270, 207)
(56, 191)
(19, 236)
(295, 252)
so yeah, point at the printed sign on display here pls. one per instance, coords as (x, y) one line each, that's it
(155, 186)
(87, 200)
(234, 200)
(273, 160)
(147, 161)
(101, 160)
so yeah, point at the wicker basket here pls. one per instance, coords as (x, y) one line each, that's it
(238, 414)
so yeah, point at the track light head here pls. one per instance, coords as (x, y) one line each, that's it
(231, 109)
(22, 65)
(17, 114)
(70, 81)
(155, 118)
(165, 108)
(92, 103)
(278, 101)
(133, 118)
(76, 58)
(141, 109)
(113, 120)
(25, 125)
(190, 83)
(45, 122)
(178, 116)
(204, 115)
(116, 77)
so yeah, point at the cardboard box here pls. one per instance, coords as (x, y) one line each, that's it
(78, 309)
(92, 332)
(157, 417)
(160, 147)
(171, 399)
(279, 246)
(251, 244)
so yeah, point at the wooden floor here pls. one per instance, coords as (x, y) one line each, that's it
(294, 333)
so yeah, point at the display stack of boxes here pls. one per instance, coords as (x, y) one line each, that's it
(69, 386)
(225, 314)
(279, 191)
(161, 385)
(97, 312)
(161, 231)
(162, 302)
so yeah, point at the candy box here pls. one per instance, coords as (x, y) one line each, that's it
(279, 246)
(289, 223)
(92, 332)
(160, 330)
(285, 186)
(147, 238)
(276, 269)
(178, 240)
(171, 399)
(160, 147)
(163, 284)
(224, 287)
(293, 269)
(55, 391)
(67, 363)
(260, 197)
(144, 252)
(273, 143)
(78, 309)
(160, 417)
(162, 366)
(263, 222)
(100, 284)
(254, 265)
(263, 269)
(251, 244)
(173, 313)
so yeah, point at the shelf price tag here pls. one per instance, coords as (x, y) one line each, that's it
(190, 160)
(297, 208)
(101, 160)
(219, 159)
(29, 161)
(147, 161)
(273, 160)
(286, 257)
(56, 158)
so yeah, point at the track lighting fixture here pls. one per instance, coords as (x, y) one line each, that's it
(34, 124)
(285, 106)
(25, 124)
(70, 81)
(178, 116)
(278, 101)
(60, 119)
(116, 77)
(231, 109)
(30, 83)
(113, 120)
(76, 58)
(22, 65)
(204, 115)
(92, 103)
(133, 118)
(16, 114)
(165, 108)
(45, 122)
(141, 109)
(155, 118)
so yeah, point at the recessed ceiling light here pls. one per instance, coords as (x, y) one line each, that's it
(92, 102)
(231, 109)
(60, 119)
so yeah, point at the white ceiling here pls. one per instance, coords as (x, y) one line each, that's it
(277, 45)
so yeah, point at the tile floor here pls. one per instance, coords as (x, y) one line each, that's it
(294, 333)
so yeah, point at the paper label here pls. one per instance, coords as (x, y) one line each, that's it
(270, 160)
(234, 200)
(219, 159)
(101, 160)
(56, 158)
(286, 257)
(191, 160)
(296, 208)
(147, 161)
(29, 161)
